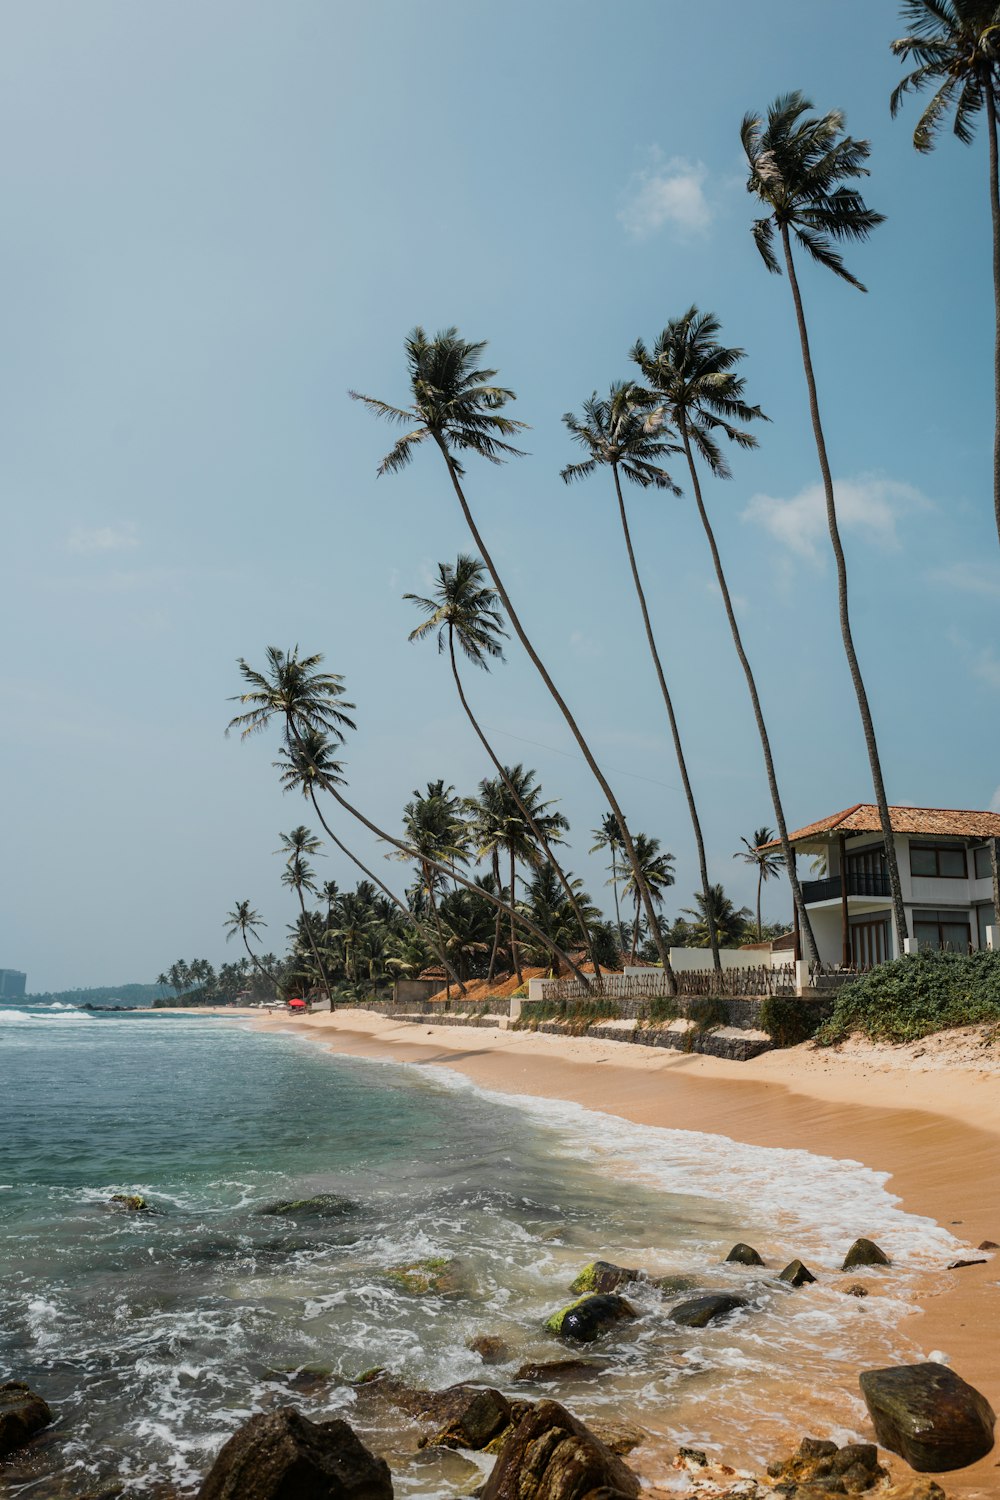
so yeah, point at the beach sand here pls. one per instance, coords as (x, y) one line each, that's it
(928, 1114)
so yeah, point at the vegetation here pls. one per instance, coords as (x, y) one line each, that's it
(766, 861)
(912, 997)
(788, 1021)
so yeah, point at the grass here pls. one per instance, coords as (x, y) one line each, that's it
(913, 997)
(577, 1015)
(786, 1021)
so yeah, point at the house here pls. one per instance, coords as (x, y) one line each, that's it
(947, 862)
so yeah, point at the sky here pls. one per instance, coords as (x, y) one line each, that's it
(219, 215)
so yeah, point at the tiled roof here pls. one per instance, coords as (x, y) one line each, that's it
(944, 822)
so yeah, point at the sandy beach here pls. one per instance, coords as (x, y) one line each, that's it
(928, 1114)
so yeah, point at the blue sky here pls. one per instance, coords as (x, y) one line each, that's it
(219, 216)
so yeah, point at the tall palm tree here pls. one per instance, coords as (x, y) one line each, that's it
(767, 861)
(694, 387)
(719, 912)
(435, 830)
(804, 170)
(608, 836)
(616, 436)
(549, 907)
(305, 703)
(244, 920)
(956, 46)
(657, 875)
(458, 408)
(298, 876)
(464, 609)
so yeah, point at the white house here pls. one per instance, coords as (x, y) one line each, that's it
(947, 862)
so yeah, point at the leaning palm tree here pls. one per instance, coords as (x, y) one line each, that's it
(694, 387)
(244, 920)
(804, 170)
(657, 875)
(956, 46)
(298, 876)
(305, 702)
(458, 409)
(608, 836)
(463, 608)
(434, 829)
(756, 851)
(616, 436)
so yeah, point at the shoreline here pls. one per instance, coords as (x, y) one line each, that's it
(932, 1125)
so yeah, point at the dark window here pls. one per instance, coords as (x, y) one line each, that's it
(948, 931)
(869, 943)
(942, 861)
(983, 863)
(986, 918)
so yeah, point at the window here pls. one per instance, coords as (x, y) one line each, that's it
(986, 917)
(947, 931)
(869, 943)
(938, 861)
(983, 863)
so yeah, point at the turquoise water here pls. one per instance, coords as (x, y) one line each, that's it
(153, 1336)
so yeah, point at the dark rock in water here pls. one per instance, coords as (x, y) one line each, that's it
(865, 1253)
(988, 1245)
(744, 1255)
(619, 1437)
(465, 1416)
(796, 1274)
(928, 1415)
(308, 1379)
(819, 1468)
(431, 1277)
(700, 1311)
(552, 1456)
(491, 1349)
(693, 1457)
(670, 1285)
(814, 1448)
(130, 1203)
(321, 1206)
(856, 1289)
(588, 1316)
(284, 1456)
(561, 1369)
(603, 1276)
(22, 1414)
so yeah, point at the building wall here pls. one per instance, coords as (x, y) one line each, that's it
(12, 984)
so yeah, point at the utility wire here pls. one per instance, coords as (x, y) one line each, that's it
(569, 755)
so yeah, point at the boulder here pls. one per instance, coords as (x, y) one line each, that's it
(129, 1203)
(698, 1312)
(960, 1265)
(553, 1370)
(856, 1289)
(552, 1456)
(432, 1276)
(865, 1253)
(796, 1274)
(819, 1468)
(588, 1316)
(464, 1416)
(744, 1255)
(988, 1245)
(281, 1455)
(491, 1349)
(619, 1437)
(22, 1414)
(603, 1276)
(320, 1206)
(928, 1415)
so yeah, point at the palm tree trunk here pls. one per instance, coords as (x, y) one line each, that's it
(435, 917)
(313, 945)
(515, 953)
(675, 732)
(772, 780)
(564, 709)
(496, 930)
(614, 887)
(525, 814)
(760, 883)
(899, 913)
(635, 931)
(279, 990)
(991, 120)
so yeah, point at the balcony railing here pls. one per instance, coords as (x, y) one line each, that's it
(859, 883)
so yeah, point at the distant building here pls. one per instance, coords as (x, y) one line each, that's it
(12, 984)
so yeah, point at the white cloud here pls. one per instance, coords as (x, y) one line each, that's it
(995, 801)
(970, 578)
(868, 504)
(669, 192)
(102, 538)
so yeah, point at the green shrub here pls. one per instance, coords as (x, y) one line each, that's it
(663, 1008)
(707, 1012)
(788, 1022)
(577, 1014)
(912, 997)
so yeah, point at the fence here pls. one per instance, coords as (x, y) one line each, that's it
(760, 980)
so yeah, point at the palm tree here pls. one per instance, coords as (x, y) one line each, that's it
(294, 691)
(608, 836)
(615, 435)
(755, 851)
(298, 876)
(729, 924)
(244, 920)
(435, 830)
(956, 46)
(550, 909)
(464, 609)
(803, 171)
(657, 874)
(695, 388)
(456, 406)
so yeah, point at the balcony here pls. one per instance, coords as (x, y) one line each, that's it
(859, 883)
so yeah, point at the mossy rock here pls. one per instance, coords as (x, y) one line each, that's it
(865, 1253)
(744, 1255)
(433, 1276)
(602, 1276)
(700, 1311)
(129, 1203)
(796, 1274)
(320, 1206)
(589, 1316)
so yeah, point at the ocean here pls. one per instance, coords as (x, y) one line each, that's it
(153, 1336)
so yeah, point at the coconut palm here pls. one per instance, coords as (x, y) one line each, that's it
(435, 830)
(956, 46)
(695, 388)
(757, 851)
(608, 836)
(804, 171)
(247, 922)
(298, 876)
(458, 408)
(547, 903)
(616, 436)
(656, 875)
(719, 912)
(463, 608)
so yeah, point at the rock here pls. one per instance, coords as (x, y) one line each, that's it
(491, 1349)
(433, 1276)
(320, 1206)
(619, 1437)
(988, 1245)
(588, 1316)
(308, 1379)
(602, 1276)
(281, 1455)
(915, 1489)
(856, 1289)
(959, 1265)
(552, 1456)
(473, 1418)
(561, 1369)
(22, 1414)
(692, 1458)
(865, 1253)
(744, 1255)
(796, 1274)
(671, 1285)
(819, 1468)
(928, 1415)
(700, 1311)
(130, 1203)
